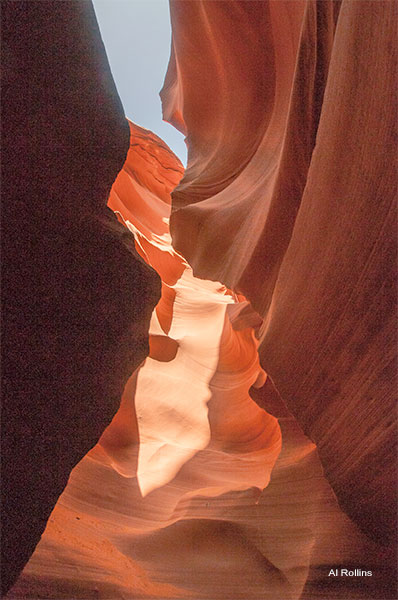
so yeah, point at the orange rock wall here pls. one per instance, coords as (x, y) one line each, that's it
(291, 201)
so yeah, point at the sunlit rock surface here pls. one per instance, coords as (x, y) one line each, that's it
(289, 197)
(76, 297)
(200, 366)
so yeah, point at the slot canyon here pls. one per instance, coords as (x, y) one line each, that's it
(199, 364)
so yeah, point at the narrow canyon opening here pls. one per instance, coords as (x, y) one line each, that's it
(199, 359)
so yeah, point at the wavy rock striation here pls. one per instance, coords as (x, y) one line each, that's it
(289, 197)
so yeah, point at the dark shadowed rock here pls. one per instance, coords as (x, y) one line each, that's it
(76, 296)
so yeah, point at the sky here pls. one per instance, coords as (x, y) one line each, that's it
(137, 38)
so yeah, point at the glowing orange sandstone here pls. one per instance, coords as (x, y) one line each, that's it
(191, 393)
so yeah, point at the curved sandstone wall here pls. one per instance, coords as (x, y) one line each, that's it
(298, 213)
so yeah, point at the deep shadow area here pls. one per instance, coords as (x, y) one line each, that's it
(76, 298)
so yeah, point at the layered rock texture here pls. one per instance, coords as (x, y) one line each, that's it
(290, 198)
(253, 449)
